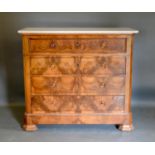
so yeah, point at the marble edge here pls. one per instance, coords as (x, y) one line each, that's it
(69, 31)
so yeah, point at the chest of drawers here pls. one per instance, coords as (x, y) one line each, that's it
(77, 76)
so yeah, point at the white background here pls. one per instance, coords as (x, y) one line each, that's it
(77, 6)
(76, 148)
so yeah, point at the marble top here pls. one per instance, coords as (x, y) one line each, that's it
(71, 30)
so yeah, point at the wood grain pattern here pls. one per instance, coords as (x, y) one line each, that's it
(77, 104)
(76, 45)
(108, 85)
(67, 85)
(121, 118)
(128, 85)
(77, 79)
(59, 65)
(27, 80)
(53, 65)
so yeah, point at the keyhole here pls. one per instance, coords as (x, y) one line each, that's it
(103, 103)
(77, 44)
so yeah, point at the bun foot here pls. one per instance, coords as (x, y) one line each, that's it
(125, 127)
(31, 127)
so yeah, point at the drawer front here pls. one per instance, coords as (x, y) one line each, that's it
(68, 85)
(105, 45)
(54, 85)
(77, 104)
(108, 85)
(53, 65)
(58, 65)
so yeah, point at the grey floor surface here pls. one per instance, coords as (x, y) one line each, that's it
(144, 122)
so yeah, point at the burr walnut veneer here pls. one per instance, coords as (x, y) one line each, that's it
(77, 76)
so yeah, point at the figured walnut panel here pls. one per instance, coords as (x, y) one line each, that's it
(55, 65)
(54, 85)
(105, 45)
(101, 65)
(77, 104)
(58, 65)
(68, 85)
(40, 85)
(108, 85)
(64, 85)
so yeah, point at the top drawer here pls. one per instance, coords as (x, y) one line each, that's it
(104, 45)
